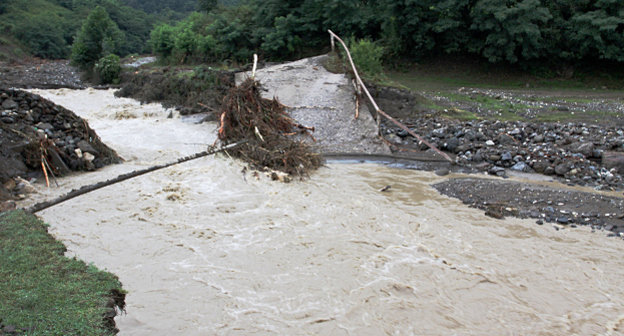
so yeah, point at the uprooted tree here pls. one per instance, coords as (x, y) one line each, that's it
(273, 139)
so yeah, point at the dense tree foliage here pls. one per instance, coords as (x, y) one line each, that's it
(47, 28)
(206, 5)
(513, 31)
(559, 32)
(98, 37)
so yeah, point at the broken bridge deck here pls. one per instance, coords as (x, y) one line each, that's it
(326, 101)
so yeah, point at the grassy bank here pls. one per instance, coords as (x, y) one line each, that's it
(471, 91)
(44, 293)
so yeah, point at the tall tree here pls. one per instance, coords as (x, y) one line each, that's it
(206, 5)
(99, 36)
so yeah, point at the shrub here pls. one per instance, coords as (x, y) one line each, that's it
(98, 36)
(367, 56)
(162, 40)
(108, 69)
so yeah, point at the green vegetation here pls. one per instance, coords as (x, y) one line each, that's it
(558, 33)
(108, 69)
(99, 36)
(47, 28)
(367, 56)
(45, 292)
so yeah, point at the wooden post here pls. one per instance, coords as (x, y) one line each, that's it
(255, 65)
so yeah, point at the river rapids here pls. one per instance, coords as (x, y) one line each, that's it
(205, 249)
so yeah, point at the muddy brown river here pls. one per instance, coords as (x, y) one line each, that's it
(203, 249)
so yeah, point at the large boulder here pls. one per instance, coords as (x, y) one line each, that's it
(613, 160)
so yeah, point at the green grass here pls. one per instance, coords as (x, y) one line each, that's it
(44, 291)
(506, 111)
(590, 115)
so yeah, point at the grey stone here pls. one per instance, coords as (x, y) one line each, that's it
(562, 169)
(452, 144)
(86, 147)
(585, 148)
(45, 126)
(442, 172)
(9, 104)
(613, 160)
(494, 157)
(521, 166)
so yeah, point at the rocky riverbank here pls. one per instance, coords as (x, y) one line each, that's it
(40, 74)
(576, 153)
(560, 207)
(35, 131)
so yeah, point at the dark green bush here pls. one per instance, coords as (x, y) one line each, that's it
(162, 40)
(367, 56)
(98, 36)
(107, 69)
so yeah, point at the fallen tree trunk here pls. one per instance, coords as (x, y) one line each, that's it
(89, 188)
(377, 109)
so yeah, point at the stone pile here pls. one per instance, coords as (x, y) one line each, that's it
(576, 153)
(31, 126)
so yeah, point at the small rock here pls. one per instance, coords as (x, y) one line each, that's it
(521, 166)
(45, 126)
(88, 157)
(9, 104)
(452, 144)
(561, 169)
(613, 160)
(563, 220)
(442, 172)
(86, 147)
(489, 143)
(24, 186)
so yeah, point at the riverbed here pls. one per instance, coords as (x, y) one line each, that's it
(206, 248)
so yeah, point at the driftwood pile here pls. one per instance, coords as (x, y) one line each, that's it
(272, 137)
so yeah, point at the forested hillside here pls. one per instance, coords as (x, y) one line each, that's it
(46, 28)
(525, 32)
(179, 6)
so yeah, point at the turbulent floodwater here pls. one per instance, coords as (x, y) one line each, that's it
(204, 250)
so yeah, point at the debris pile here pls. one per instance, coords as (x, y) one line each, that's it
(271, 135)
(38, 137)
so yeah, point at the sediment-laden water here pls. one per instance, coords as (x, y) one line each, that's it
(205, 249)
